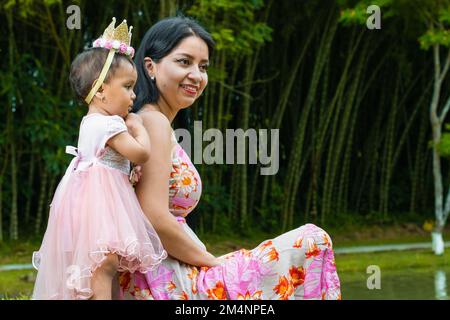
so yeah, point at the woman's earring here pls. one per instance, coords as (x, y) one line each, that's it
(152, 77)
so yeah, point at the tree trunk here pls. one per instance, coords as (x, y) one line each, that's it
(419, 163)
(41, 203)
(388, 153)
(243, 208)
(167, 8)
(1, 210)
(295, 163)
(334, 146)
(30, 187)
(436, 127)
(50, 191)
(14, 223)
(437, 242)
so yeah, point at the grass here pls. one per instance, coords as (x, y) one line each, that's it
(392, 260)
(17, 251)
(16, 284)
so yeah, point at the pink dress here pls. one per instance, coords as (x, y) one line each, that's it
(298, 264)
(94, 212)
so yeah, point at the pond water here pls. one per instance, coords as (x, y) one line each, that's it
(408, 284)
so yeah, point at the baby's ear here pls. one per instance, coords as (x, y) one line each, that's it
(94, 83)
(100, 92)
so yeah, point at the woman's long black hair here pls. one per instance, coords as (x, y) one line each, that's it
(157, 43)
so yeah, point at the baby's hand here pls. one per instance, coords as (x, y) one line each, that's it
(135, 174)
(132, 121)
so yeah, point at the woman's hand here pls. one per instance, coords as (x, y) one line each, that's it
(217, 262)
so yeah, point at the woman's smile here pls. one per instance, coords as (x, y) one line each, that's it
(189, 89)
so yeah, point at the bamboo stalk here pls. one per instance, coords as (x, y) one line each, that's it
(293, 175)
(41, 203)
(4, 166)
(243, 213)
(30, 183)
(49, 196)
(14, 223)
(388, 153)
(420, 159)
(351, 115)
(1, 210)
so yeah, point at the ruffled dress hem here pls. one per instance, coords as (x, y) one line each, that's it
(129, 261)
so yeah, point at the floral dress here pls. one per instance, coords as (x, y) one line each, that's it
(296, 265)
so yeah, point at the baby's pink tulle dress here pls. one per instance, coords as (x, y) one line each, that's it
(94, 212)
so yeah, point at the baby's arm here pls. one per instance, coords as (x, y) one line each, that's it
(134, 144)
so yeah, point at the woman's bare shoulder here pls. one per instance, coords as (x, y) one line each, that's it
(154, 117)
(156, 122)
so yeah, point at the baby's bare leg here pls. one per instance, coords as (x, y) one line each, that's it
(115, 292)
(101, 282)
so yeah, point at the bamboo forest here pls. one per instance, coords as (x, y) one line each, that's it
(360, 105)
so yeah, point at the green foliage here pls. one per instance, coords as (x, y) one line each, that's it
(232, 24)
(357, 14)
(444, 145)
(25, 7)
(444, 15)
(437, 17)
(216, 74)
(268, 215)
(431, 37)
(215, 197)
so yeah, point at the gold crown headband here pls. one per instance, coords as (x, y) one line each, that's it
(116, 40)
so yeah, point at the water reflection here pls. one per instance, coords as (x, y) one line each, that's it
(406, 284)
(440, 285)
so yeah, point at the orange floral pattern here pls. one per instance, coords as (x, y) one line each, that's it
(217, 292)
(272, 255)
(312, 250)
(284, 288)
(248, 296)
(171, 286)
(193, 276)
(183, 296)
(142, 294)
(327, 240)
(124, 280)
(298, 243)
(297, 276)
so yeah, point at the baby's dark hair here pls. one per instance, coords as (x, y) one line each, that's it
(87, 67)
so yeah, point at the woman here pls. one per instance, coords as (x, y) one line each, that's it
(172, 66)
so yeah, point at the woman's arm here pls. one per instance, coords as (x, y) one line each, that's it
(153, 194)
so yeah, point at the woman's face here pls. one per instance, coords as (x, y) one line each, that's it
(181, 76)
